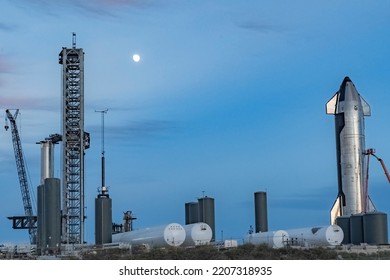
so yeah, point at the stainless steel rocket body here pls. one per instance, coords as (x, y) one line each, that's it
(349, 109)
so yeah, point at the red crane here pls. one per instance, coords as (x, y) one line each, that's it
(368, 153)
(371, 152)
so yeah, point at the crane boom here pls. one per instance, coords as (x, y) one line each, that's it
(372, 153)
(20, 165)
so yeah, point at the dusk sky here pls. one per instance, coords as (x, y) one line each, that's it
(228, 99)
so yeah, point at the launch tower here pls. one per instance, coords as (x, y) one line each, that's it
(75, 141)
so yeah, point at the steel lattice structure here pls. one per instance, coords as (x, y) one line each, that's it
(75, 141)
(28, 221)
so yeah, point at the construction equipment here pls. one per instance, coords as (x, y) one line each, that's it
(368, 153)
(371, 152)
(29, 220)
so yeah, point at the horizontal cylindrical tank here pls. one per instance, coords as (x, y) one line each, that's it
(172, 234)
(331, 235)
(274, 239)
(197, 234)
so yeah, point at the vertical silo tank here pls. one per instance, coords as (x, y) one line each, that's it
(207, 213)
(375, 228)
(41, 237)
(197, 234)
(47, 160)
(191, 213)
(52, 208)
(103, 219)
(344, 223)
(261, 216)
(274, 239)
(356, 229)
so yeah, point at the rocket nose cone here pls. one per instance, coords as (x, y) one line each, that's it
(344, 85)
(347, 79)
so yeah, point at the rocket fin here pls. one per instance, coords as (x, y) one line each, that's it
(366, 107)
(331, 105)
(335, 211)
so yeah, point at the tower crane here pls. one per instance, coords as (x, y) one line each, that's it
(29, 220)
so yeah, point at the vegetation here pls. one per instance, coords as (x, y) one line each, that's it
(244, 252)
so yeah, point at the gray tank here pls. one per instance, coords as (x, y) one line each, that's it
(49, 201)
(41, 237)
(356, 229)
(103, 219)
(375, 228)
(191, 213)
(344, 223)
(207, 213)
(261, 217)
(49, 216)
(52, 212)
(47, 160)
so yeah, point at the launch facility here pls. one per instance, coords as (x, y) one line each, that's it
(60, 219)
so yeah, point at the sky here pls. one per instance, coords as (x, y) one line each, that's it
(227, 99)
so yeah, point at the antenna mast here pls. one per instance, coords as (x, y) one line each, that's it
(102, 112)
(74, 40)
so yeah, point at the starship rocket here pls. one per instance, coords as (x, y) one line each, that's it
(349, 109)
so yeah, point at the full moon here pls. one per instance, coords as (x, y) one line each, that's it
(136, 58)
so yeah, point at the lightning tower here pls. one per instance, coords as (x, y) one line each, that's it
(75, 141)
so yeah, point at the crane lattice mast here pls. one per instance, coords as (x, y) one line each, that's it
(23, 180)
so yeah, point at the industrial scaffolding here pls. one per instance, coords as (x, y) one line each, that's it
(74, 141)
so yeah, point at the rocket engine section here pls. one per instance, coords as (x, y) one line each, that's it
(349, 109)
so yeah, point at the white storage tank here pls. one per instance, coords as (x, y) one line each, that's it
(197, 234)
(331, 235)
(172, 234)
(275, 239)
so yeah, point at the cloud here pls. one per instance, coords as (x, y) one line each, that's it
(100, 7)
(7, 27)
(45, 104)
(136, 131)
(4, 68)
(258, 26)
(119, 2)
(4, 65)
(145, 127)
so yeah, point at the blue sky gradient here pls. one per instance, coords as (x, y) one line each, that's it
(228, 98)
